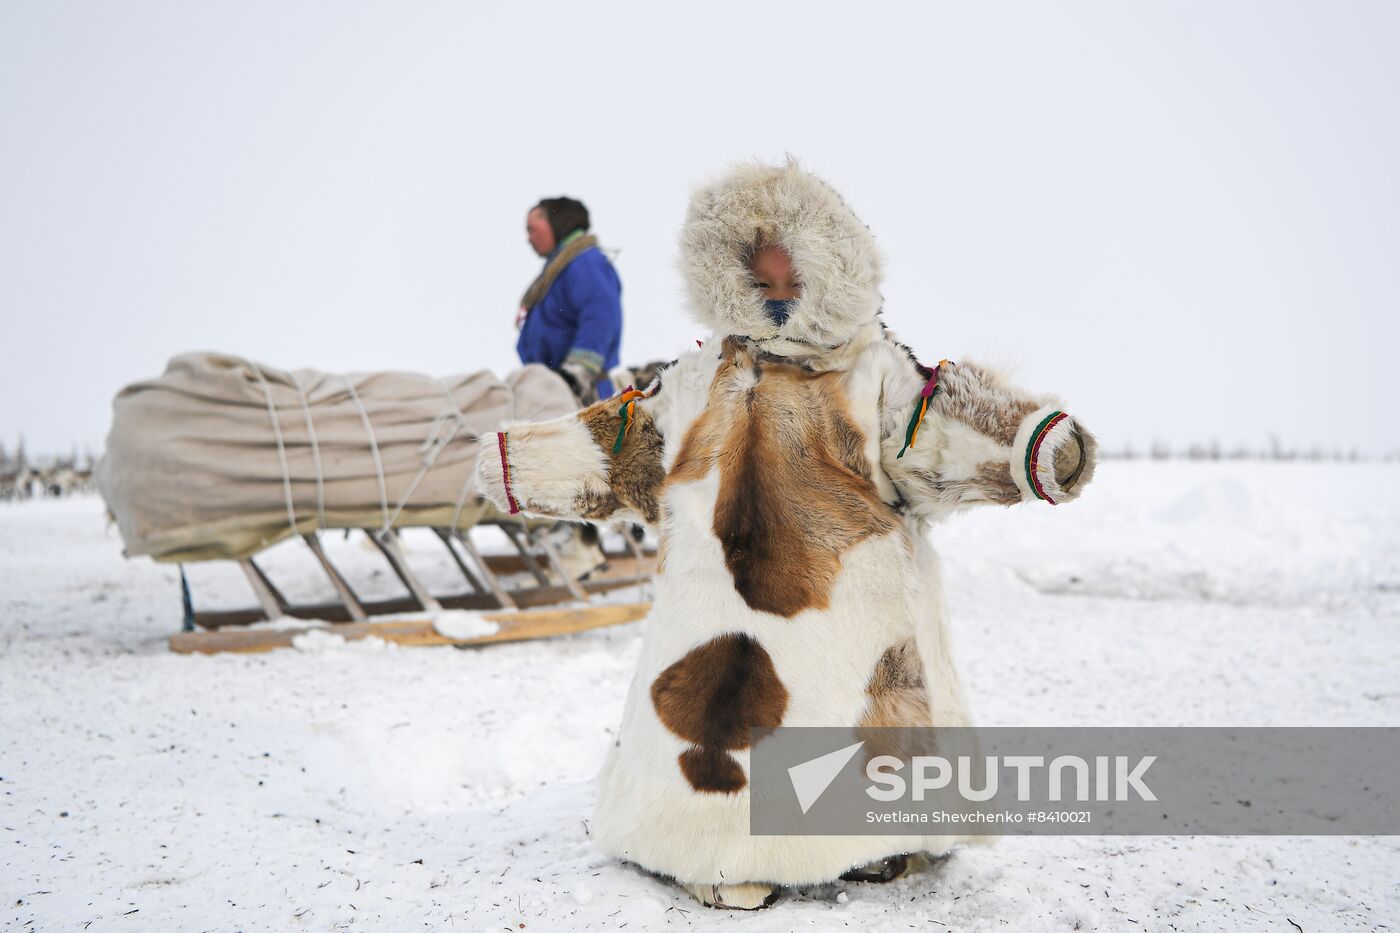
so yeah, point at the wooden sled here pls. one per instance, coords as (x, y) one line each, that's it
(210, 631)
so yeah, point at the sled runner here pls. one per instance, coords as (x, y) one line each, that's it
(488, 587)
(221, 458)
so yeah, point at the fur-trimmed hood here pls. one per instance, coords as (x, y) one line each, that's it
(834, 254)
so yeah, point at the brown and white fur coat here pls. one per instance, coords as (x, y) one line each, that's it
(797, 585)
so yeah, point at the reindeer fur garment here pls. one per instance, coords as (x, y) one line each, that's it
(797, 586)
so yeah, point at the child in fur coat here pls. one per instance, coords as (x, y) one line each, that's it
(791, 466)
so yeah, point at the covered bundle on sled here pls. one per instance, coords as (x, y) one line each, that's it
(220, 458)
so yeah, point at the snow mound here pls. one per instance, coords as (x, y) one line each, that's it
(460, 625)
(319, 640)
(1227, 499)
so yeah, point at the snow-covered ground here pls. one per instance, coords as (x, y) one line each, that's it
(367, 787)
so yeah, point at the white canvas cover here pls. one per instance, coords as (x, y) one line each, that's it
(221, 457)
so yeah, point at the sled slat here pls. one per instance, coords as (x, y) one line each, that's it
(515, 626)
(353, 607)
(270, 600)
(505, 564)
(388, 543)
(620, 573)
(521, 540)
(488, 573)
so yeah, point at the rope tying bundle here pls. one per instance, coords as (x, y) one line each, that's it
(444, 429)
(281, 446)
(911, 433)
(315, 452)
(434, 444)
(629, 401)
(373, 449)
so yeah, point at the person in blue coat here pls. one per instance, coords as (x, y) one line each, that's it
(571, 315)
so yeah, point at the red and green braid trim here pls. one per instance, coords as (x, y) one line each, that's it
(1033, 453)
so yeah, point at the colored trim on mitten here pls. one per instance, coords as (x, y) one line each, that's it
(1033, 452)
(505, 473)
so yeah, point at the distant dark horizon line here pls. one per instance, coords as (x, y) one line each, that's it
(1158, 450)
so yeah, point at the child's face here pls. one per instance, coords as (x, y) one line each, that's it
(774, 275)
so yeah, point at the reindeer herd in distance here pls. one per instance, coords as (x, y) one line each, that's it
(43, 477)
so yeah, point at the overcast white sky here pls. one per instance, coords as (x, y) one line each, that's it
(1184, 217)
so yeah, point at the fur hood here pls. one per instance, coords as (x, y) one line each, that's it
(834, 254)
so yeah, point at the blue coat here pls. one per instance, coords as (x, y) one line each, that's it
(581, 311)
